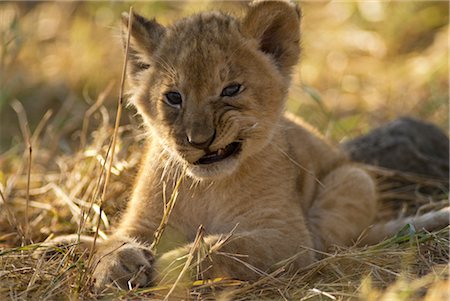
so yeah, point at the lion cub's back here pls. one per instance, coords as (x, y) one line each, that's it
(313, 156)
(307, 144)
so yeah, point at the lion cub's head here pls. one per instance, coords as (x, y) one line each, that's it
(211, 87)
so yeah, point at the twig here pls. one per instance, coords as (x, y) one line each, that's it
(24, 127)
(116, 129)
(195, 245)
(40, 126)
(101, 98)
(168, 207)
(30, 154)
(84, 216)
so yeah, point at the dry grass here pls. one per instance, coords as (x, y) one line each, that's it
(51, 182)
(409, 266)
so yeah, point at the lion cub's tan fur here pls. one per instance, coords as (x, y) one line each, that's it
(286, 192)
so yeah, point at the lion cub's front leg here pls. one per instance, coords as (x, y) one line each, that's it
(122, 263)
(125, 259)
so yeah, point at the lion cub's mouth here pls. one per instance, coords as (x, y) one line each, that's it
(220, 154)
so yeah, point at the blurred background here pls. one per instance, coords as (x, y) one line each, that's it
(363, 63)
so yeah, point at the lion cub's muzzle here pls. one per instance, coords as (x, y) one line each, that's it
(219, 155)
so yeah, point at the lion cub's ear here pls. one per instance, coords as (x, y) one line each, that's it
(145, 38)
(276, 26)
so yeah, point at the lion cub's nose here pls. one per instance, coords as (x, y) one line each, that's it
(201, 140)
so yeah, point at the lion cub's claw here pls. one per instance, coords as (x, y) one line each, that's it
(125, 265)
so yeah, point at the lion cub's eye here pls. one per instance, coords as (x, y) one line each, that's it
(231, 90)
(173, 99)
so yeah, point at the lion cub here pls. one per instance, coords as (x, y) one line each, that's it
(211, 89)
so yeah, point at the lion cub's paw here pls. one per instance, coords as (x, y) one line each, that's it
(122, 264)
